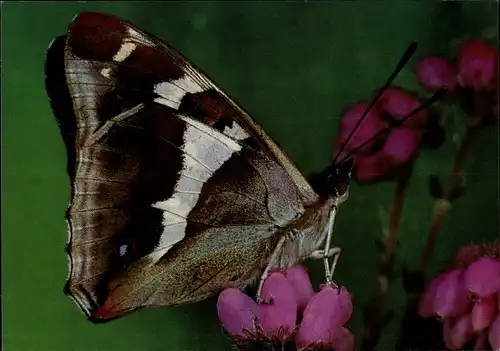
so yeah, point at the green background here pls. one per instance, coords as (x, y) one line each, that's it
(295, 67)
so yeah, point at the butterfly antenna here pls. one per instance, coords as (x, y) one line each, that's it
(436, 96)
(402, 62)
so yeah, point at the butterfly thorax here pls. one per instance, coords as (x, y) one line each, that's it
(307, 233)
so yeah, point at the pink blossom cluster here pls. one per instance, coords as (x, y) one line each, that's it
(291, 312)
(471, 79)
(476, 67)
(392, 149)
(467, 297)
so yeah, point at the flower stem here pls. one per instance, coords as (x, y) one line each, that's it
(372, 322)
(397, 208)
(444, 204)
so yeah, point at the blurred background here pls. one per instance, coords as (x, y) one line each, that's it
(295, 66)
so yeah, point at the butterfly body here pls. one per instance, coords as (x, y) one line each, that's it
(176, 192)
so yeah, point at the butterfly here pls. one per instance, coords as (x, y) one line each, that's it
(176, 192)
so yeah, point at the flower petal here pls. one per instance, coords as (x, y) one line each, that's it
(447, 330)
(278, 315)
(483, 277)
(452, 298)
(398, 103)
(458, 332)
(426, 304)
(236, 311)
(373, 168)
(498, 301)
(436, 72)
(478, 65)
(402, 145)
(483, 313)
(494, 334)
(344, 341)
(301, 284)
(372, 125)
(325, 313)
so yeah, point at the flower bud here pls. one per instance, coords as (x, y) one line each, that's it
(372, 125)
(402, 145)
(478, 65)
(278, 313)
(494, 334)
(458, 332)
(323, 316)
(344, 341)
(434, 73)
(237, 312)
(398, 104)
(452, 298)
(483, 277)
(301, 284)
(426, 303)
(483, 313)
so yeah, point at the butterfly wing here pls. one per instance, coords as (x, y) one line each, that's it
(176, 191)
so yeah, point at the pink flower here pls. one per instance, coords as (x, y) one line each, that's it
(392, 149)
(434, 73)
(483, 313)
(278, 315)
(327, 311)
(372, 125)
(477, 62)
(299, 279)
(456, 332)
(467, 298)
(398, 104)
(452, 298)
(478, 65)
(498, 301)
(402, 144)
(372, 168)
(494, 334)
(344, 340)
(426, 305)
(483, 277)
(472, 80)
(237, 312)
(447, 296)
(275, 320)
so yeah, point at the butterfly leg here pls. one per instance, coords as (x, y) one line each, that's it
(334, 264)
(273, 262)
(320, 254)
(328, 251)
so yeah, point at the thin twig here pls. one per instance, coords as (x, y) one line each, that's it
(443, 205)
(372, 327)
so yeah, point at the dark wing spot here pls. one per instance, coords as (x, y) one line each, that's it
(222, 123)
(207, 106)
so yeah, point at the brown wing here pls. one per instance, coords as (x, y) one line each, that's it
(176, 192)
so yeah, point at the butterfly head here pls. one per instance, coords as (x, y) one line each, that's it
(334, 180)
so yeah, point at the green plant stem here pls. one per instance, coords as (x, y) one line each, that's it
(372, 322)
(443, 205)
